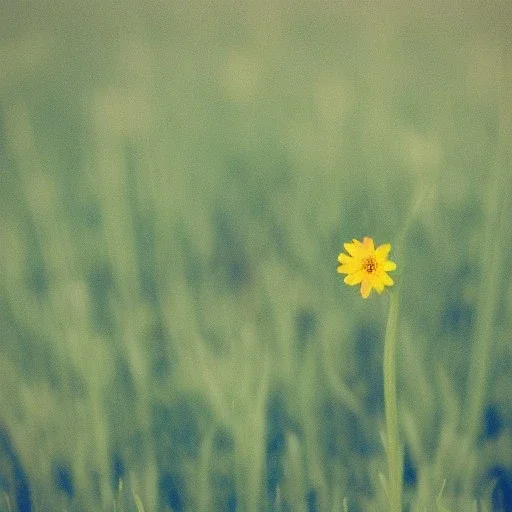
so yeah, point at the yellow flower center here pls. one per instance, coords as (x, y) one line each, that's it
(370, 265)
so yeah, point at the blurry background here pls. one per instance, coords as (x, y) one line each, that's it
(176, 182)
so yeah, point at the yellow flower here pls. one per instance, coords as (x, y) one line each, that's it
(366, 265)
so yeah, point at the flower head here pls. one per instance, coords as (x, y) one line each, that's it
(366, 265)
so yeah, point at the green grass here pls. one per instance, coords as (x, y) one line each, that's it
(176, 182)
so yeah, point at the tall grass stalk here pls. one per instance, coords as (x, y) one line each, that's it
(393, 449)
(496, 231)
(480, 360)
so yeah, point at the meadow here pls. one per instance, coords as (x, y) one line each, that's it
(177, 180)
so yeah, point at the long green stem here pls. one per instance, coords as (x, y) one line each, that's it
(393, 447)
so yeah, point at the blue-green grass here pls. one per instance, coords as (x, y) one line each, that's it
(176, 182)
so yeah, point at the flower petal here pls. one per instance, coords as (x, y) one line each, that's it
(379, 286)
(382, 251)
(351, 248)
(355, 278)
(353, 263)
(349, 268)
(387, 280)
(368, 244)
(345, 258)
(389, 265)
(366, 288)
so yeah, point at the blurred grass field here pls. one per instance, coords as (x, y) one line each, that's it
(176, 182)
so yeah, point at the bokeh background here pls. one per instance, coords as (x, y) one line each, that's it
(176, 182)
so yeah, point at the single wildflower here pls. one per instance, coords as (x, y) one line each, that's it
(366, 265)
